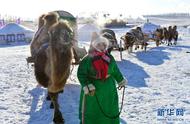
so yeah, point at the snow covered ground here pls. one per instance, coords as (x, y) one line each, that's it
(158, 79)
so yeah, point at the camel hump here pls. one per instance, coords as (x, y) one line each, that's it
(41, 21)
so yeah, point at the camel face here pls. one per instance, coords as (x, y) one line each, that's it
(61, 34)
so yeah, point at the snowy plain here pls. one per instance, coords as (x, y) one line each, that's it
(158, 78)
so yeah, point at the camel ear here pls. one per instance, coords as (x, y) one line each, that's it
(94, 36)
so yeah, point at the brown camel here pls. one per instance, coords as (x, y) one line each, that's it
(53, 59)
(158, 36)
(134, 37)
(175, 34)
(170, 32)
(110, 35)
(165, 35)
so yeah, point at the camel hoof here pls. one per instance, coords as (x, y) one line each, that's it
(58, 119)
(51, 105)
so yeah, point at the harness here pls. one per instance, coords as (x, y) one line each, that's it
(112, 116)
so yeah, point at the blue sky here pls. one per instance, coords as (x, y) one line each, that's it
(134, 8)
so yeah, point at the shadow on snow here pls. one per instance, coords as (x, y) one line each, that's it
(68, 101)
(134, 73)
(154, 56)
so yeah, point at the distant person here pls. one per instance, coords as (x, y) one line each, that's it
(98, 74)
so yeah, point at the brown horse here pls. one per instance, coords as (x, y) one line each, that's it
(53, 59)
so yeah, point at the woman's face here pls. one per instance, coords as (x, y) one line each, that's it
(101, 46)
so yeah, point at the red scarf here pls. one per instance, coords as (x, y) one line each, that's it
(100, 63)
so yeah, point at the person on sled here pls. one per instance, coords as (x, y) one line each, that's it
(98, 75)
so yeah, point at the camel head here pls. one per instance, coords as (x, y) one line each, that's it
(61, 34)
(50, 19)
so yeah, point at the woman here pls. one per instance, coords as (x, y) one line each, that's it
(98, 74)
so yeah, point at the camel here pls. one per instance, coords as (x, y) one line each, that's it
(175, 34)
(129, 40)
(170, 34)
(52, 48)
(158, 36)
(165, 35)
(110, 35)
(134, 37)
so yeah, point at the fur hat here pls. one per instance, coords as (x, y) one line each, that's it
(97, 39)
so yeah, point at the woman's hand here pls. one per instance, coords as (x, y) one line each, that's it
(122, 84)
(89, 89)
(91, 93)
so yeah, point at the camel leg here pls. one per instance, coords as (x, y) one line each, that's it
(175, 43)
(157, 43)
(130, 49)
(145, 48)
(136, 47)
(57, 119)
(168, 43)
(48, 97)
(142, 46)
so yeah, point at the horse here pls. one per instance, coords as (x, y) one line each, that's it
(53, 59)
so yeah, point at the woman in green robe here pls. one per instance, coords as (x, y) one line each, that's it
(98, 75)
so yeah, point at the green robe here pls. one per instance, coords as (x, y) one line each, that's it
(106, 92)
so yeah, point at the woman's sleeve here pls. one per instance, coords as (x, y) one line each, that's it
(117, 73)
(82, 72)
